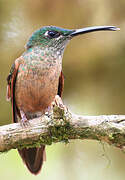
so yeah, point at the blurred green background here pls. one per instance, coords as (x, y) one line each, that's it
(94, 69)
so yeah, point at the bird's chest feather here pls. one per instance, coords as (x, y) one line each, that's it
(37, 84)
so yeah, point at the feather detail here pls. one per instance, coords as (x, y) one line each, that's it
(11, 79)
(8, 93)
(61, 84)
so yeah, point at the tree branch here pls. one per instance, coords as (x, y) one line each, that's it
(62, 126)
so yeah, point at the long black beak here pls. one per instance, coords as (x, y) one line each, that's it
(94, 28)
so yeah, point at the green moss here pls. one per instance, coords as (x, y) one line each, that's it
(111, 136)
(60, 133)
(117, 137)
(60, 130)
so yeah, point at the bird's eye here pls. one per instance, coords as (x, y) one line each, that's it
(53, 34)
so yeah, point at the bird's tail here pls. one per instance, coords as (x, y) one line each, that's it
(33, 158)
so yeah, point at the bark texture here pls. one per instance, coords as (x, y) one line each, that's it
(62, 126)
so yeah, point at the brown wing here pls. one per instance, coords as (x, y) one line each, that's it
(11, 79)
(32, 157)
(61, 84)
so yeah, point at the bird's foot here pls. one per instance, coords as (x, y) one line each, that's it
(58, 102)
(24, 121)
(48, 111)
(60, 111)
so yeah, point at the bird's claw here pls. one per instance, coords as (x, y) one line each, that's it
(58, 102)
(24, 121)
(48, 111)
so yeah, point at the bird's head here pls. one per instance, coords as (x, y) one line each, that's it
(57, 38)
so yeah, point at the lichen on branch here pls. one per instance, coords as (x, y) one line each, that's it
(62, 126)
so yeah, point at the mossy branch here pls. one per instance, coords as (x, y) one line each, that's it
(62, 126)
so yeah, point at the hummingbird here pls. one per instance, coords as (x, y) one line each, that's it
(36, 78)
